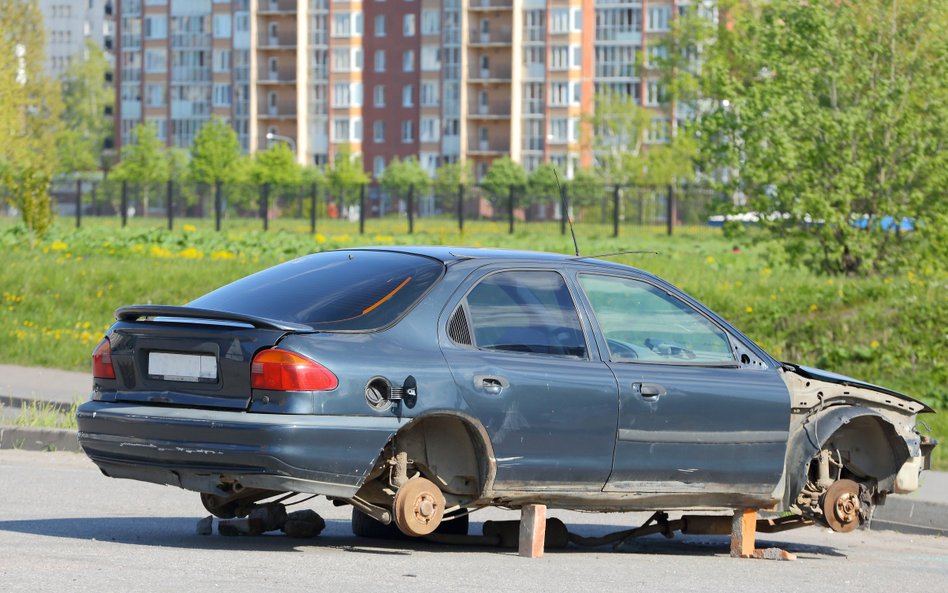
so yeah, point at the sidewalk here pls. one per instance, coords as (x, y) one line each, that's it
(924, 511)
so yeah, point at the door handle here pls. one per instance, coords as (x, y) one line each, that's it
(649, 390)
(490, 384)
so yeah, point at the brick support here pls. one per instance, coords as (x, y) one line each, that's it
(532, 530)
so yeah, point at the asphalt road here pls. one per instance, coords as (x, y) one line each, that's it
(66, 528)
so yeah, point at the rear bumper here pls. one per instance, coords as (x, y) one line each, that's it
(201, 449)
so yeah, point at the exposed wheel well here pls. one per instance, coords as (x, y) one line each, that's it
(449, 448)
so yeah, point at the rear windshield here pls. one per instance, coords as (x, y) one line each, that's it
(331, 291)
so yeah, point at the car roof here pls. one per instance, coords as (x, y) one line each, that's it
(448, 254)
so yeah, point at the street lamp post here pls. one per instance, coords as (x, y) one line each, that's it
(271, 136)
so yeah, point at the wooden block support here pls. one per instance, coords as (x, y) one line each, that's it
(532, 530)
(743, 533)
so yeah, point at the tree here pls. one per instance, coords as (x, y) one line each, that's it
(400, 175)
(144, 162)
(451, 175)
(586, 187)
(346, 176)
(86, 96)
(215, 153)
(277, 166)
(832, 119)
(30, 106)
(543, 184)
(619, 127)
(504, 174)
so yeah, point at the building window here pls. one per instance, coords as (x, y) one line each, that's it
(378, 95)
(658, 17)
(156, 27)
(559, 20)
(408, 61)
(380, 25)
(222, 60)
(222, 26)
(429, 94)
(347, 24)
(429, 129)
(559, 130)
(408, 25)
(430, 22)
(378, 131)
(408, 96)
(559, 57)
(408, 131)
(379, 60)
(378, 166)
(340, 94)
(430, 58)
(222, 95)
(156, 60)
(340, 129)
(154, 95)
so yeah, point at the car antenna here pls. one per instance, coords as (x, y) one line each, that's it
(564, 198)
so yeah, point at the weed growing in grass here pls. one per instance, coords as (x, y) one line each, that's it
(38, 414)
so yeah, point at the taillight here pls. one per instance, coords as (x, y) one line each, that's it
(280, 370)
(102, 360)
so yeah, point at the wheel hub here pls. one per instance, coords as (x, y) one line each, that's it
(841, 506)
(419, 507)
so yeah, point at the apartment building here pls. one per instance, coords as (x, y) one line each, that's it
(443, 80)
(68, 24)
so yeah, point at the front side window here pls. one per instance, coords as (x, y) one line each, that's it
(526, 311)
(642, 323)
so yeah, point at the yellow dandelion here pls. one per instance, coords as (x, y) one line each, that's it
(222, 255)
(749, 310)
(709, 260)
(813, 307)
(58, 246)
(191, 253)
(320, 238)
(874, 344)
(189, 228)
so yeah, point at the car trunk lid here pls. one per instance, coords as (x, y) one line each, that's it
(188, 357)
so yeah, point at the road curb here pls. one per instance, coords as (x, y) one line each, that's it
(907, 515)
(16, 402)
(38, 439)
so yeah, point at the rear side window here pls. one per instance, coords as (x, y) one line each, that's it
(526, 311)
(332, 291)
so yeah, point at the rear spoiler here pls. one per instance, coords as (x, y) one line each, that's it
(137, 312)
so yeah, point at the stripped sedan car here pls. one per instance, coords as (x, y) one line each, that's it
(419, 384)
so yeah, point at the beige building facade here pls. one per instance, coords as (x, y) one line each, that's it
(442, 80)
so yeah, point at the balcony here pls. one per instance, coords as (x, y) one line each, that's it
(502, 38)
(488, 75)
(490, 5)
(284, 75)
(285, 110)
(186, 40)
(276, 7)
(488, 147)
(499, 109)
(283, 40)
(188, 74)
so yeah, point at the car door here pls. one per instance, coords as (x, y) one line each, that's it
(518, 352)
(692, 418)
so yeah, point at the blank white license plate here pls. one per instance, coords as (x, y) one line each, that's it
(182, 367)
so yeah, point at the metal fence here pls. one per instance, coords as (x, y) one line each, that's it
(611, 207)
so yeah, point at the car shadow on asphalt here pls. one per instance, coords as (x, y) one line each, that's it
(179, 532)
